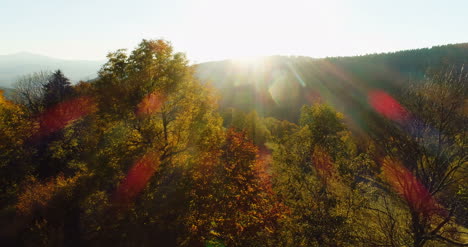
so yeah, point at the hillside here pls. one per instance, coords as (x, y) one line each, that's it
(14, 65)
(278, 86)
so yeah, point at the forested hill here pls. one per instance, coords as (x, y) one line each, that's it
(277, 86)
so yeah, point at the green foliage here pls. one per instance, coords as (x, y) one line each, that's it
(253, 125)
(326, 126)
(313, 185)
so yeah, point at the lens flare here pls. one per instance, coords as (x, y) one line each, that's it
(150, 104)
(64, 113)
(387, 106)
(313, 97)
(137, 178)
(281, 90)
(296, 75)
(409, 188)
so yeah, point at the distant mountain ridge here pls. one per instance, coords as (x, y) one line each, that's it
(14, 65)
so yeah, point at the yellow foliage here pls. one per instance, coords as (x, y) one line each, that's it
(39, 194)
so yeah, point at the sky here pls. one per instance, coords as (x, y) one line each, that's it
(216, 29)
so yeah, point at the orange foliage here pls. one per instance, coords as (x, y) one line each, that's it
(323, 164)
(150, 104)
(233, 193)
(38, 195)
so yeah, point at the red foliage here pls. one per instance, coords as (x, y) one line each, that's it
(323, 163)
(262, 168)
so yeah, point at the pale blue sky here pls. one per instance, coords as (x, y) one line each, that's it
(216, 29)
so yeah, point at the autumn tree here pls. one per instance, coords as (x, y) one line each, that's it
(233, 202)
(428, 149)
(15, 152)
(149, 104)
(308, 178)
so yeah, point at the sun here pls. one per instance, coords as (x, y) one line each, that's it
(247, 61)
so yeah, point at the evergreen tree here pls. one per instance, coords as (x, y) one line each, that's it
(57, 89)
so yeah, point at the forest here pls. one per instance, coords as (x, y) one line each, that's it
(281, 151)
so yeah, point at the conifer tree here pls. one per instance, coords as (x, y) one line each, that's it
(57, 89)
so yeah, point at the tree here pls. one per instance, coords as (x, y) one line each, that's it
(252, 124)
(57, 89)
(233, 204)
(308, 181)
(279, 129)
(15, 152)
(29, 91)
(326, 126)
(428, 150)
(58, 111)
(149, 103)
